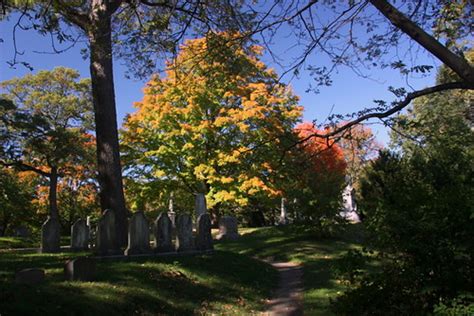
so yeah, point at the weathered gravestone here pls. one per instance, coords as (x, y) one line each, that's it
(162, 233)
(184, 233)
(138, 235)
(50, 236)
(22, 231)
(228, 229)
(29, 276)
(83, 269)
(204, 237)
(200, 204)
(79, 235)
(106, 235)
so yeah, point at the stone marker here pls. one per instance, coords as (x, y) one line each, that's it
(162, 230)
(171, 212)
(228, 229)
(29, 276)
(204, 237)
(184, 233)
(79, 235)
(50, 236)
(22, 231)
(200, 204)
(106, 236)
(138, 235)
(83, 269)
(283, 214)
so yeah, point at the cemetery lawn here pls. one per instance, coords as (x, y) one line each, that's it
(319, 256)
(223, 283)
(229, 282)
(27, 242)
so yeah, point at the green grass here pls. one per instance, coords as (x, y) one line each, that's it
(229, 282)
(27, 242)
(223, 283)
(300, 244)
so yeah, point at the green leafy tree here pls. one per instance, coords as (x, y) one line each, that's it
(44, 126)
(16, 195)
(419, 211)
(215, 124)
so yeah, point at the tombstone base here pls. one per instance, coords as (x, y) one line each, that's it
(136, 251)
(83, 269)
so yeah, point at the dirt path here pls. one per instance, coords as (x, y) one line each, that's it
(288, 298)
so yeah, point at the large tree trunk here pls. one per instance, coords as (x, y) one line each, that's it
(53, 194)
(108, 158)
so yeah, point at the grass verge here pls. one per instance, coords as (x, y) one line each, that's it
(223, 283)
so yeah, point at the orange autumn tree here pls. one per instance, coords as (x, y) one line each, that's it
(317, 173)
(216, 123)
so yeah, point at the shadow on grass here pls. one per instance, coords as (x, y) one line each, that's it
(221, 283)
(302, 244)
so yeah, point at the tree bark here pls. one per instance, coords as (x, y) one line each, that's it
(53, 194)
(108, 157)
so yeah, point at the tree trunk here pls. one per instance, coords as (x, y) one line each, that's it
(108, 158)
(53, 194)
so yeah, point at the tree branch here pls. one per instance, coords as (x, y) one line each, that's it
(400, 105)
(458, 64)
(24, 167)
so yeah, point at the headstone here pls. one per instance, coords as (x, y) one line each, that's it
(184, 233)
(79, 235)
(50, 236)
(228, 228)
(29, 276)
(106, 236)
(162, 233)
(200, 204)
(283, 214)
(204, 237)
(22, 231)
(83, 269)
(138, 235)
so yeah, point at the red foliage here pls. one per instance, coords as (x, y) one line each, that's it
(325, 155)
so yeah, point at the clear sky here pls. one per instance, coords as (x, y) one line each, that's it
(348, 93)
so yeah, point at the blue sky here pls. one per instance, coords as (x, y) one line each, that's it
(348, 93)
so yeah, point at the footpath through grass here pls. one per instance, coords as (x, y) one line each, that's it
(319, 256)
(228, 282)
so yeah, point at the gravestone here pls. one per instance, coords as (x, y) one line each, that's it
(204, 237)
(200, 204)
(79, 235)
(50, 236)
(171, 212)
(184, 233)
(162, 233)
(22, 231)
(138, 235)
(29, 276)
(83, 269)
(228, 229)
(106, 236)
(283, 213)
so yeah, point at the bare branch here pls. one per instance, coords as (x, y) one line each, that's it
(400, 105)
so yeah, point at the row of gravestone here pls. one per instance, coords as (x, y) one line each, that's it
(138, 234)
